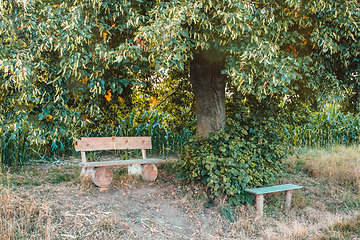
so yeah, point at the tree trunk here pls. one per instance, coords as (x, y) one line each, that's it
(209, 89)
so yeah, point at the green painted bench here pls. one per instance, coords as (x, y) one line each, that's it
(259, 192)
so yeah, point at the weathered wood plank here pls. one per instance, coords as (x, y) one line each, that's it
(272, 189)
(121, 162)
(102, 177)
(260, 203)
(143, 152)
(112, 143)
(149, 172)
(288, 198)
(83, 157)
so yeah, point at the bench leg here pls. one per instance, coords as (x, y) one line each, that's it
(149, 172)
(102, 177)
(135, 169)
(260, 203)
(288, 199)
(86, 172)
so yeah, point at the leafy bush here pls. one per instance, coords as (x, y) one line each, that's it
(247, 153)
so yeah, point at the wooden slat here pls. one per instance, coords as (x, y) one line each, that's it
(260, 203)
(83, 157)
(288, 198)
(112, 143)
(121, 162)
(272, 189)
(143, 153)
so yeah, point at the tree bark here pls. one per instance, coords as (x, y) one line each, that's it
(209, 89)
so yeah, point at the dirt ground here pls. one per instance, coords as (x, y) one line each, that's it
(130, 209)
(61, 206)
(133, 212)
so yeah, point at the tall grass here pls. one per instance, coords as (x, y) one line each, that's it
(15, 147)
(166, 131)
(338, 164)
(20, 143)
(327, 127)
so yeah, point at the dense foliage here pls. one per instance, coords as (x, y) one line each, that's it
(65, 62)
(248, 153)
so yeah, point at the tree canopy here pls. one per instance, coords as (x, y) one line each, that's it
(63, 63)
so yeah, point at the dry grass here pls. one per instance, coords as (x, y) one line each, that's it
(42, 203)
(22, 217)
(337, 165)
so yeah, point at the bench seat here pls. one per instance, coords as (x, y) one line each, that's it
(273, 189)
(259, 192)
(121, 162)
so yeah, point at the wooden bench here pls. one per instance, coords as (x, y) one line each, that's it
(279, 188)
(99, 172)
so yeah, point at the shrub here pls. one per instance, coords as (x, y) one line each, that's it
(247, 153)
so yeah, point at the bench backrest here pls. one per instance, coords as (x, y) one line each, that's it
(112, 143)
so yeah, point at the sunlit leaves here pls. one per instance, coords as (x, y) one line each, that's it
(62, 57)
(58, 60)
(269, 45)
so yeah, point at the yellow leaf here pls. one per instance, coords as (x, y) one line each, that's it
(121, 100)
(85, 79)
(153, 101)
(108, 95)
(49, 118)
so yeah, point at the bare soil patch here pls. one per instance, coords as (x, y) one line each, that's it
(130, 209)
